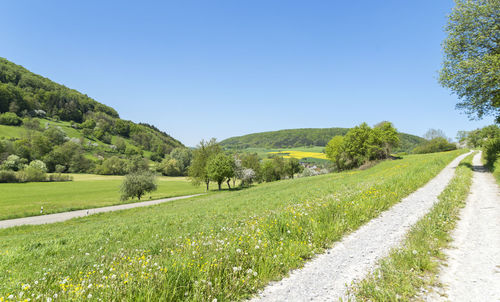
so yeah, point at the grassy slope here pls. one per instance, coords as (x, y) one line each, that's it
(222, 246)
(407, 269)
(86, 191)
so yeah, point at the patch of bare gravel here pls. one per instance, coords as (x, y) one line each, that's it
(473, 266)
(325, 277)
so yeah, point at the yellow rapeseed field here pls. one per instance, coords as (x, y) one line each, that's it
(300, 154)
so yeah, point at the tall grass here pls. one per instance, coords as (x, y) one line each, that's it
(406, 270)
(222, 246)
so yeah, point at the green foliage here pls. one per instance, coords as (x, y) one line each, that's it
(198, 169)
(136, 184)
(70, 156)
(438, 144)
(292, 167)
(335, 151)
(491, 151)
(471, 65)
(32, 124)
(293, 138)
(273, 169)
(220, 167)
(10, 119)
(362, 144)
(8, 177)
(183, 157)
(32, 173)
(13, 163)
(476, 138)
(112, 166)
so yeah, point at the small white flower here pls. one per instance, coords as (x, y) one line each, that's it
(11, 297)
(414, 252)
(257, 247)
(255, 274)
(214, 300)
(89, 296)
(238, 251)
(86, 254)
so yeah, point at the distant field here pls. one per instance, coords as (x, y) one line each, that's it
(313, 154)
(86, 191)
(221, 246)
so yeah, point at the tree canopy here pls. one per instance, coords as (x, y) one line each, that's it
(471, 64)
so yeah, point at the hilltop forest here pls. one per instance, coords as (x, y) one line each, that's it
(292, 138)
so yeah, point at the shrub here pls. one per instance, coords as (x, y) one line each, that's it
(491, 149)
(8, 177)
(438, 144)
(13, 162)
(31, 173)
(60, 177)
(9, 118)
(136, 184)
(38, 164)
(32, 124)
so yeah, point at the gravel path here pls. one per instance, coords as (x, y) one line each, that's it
(51, 218)
(473, 271)
(325, 277)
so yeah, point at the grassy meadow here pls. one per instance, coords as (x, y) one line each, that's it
(84, 192)
(406, 270)
(222, 246)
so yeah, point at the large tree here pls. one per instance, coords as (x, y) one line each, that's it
(471, 65)
(220, 167)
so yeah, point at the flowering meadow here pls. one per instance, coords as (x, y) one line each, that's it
(220, 247)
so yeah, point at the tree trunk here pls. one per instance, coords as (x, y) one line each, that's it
(219, 183)
(228, 180)
(208, 183)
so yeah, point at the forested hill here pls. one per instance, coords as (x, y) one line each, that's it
(292, 138)
(29, 95)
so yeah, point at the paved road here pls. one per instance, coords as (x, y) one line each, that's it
(51, 218)
(325, 277)
(473, 267)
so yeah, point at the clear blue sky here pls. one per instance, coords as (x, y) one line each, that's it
(201, 69)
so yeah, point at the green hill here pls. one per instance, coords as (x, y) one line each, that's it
(293, 138)
(30, 105)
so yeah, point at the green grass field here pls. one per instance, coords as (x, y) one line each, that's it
(86, 191)
(221, 246)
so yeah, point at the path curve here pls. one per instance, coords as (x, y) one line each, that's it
(473, 266)
(58, 217)
(325, 277)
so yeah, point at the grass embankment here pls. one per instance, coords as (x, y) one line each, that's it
(86, 191)
(221, 246)
(408, 269)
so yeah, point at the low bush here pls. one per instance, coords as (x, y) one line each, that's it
(10, 119)
(60, 177)
(438, 144)
(8, 177)
(491, 149)
(31, 174)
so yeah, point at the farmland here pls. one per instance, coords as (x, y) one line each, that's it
(86, 191)
(221, 246)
